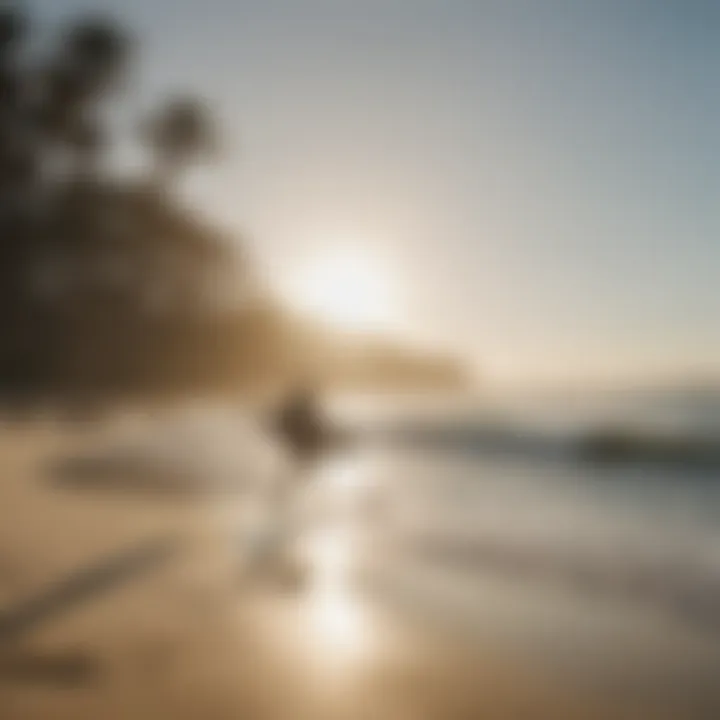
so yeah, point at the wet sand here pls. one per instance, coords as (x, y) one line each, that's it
(181, 635)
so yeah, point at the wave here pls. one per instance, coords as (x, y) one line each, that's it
(689, 591)
(603, 444)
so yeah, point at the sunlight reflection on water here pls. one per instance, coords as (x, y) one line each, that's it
(338, 621)
(325, 618)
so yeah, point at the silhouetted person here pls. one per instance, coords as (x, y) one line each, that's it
(300, 424)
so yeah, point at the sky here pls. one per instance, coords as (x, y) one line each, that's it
(538, 178)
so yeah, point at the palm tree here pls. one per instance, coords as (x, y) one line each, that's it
(95, 52)
(180, 132)
(13, 27)
(91, 61)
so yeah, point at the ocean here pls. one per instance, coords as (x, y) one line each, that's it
(579, 534)
(612, 496)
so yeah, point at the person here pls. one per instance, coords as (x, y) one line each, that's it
(300, 425)
(301, 429)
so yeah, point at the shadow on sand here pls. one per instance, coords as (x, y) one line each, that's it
(65, 669)
(128, 475)
(84, 585)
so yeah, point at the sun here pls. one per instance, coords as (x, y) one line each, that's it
(343, 288)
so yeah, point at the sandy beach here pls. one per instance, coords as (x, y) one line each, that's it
(145, 616)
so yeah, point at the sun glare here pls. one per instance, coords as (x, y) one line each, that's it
(344, 289)
(335, 616)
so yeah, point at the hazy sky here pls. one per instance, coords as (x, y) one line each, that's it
(540, 177)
